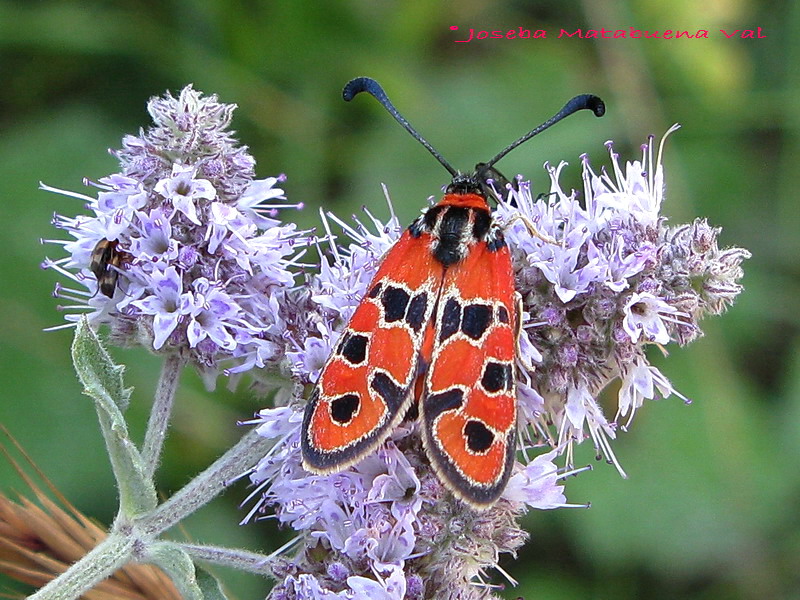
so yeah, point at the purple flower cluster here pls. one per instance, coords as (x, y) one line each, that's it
(603, 279)
(387, 528)
(200, 263)
(600, 281)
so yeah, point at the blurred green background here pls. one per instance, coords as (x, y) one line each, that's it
(711, 506)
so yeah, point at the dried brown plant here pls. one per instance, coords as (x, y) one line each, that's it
(41, 537)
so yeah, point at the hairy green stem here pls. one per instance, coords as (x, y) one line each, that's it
(135, 537)
(108, 556)
(207, 485)
(234, 558)
(161, 412)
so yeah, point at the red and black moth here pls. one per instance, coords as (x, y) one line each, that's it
(437, 327)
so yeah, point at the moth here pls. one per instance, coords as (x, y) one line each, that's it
(436, 331)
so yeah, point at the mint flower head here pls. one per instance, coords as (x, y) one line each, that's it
(600, 280)
(387, 528)
(182, 249)
(612, 279)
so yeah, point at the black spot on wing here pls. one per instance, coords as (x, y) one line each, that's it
(496, 377)
(376, 289)
(476, 320)
(479, 437)
(451, 319)
(416, 311)
(344, 408)
(354, 348)
(436, 404)
(391, 393)
(395, 301)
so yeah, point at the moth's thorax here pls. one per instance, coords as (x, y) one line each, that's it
(455, 224)
(474, 201)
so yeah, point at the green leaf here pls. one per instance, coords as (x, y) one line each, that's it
(96, 370)
(102, 381)
(209, 585)
(193, 582)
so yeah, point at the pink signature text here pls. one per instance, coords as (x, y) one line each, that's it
(630, 32)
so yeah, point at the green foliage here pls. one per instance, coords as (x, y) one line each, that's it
(193, 583)
(708, 510)
(102, 381)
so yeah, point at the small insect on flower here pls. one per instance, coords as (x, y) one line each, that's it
(105, 262)
(437, 330)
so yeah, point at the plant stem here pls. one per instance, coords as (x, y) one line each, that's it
(105, 558)
(234, 558)
(161, 413)
(122, 543)
(207, 485)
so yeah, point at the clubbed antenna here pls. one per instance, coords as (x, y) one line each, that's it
(365, 84)
(584, 101)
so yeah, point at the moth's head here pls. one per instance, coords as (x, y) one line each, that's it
(465, 183)
(485, 181)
